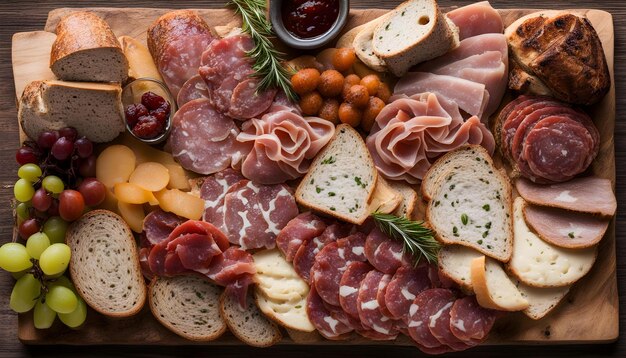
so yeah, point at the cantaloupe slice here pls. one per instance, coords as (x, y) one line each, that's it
(133, 214)
(115, 165)
(180, 203)
(150, 176)
(131, 193)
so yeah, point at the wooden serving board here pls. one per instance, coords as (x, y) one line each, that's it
(589, 313)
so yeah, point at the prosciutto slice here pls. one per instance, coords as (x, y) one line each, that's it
(476, 19)
(283, 145)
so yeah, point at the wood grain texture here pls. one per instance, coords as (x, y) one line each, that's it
(22, 16)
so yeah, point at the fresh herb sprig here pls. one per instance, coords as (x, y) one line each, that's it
(418, 240)
(267, 60)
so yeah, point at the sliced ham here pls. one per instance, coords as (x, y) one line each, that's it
(283, 145)
(476, 19)
(565, 228)
(193, 88)
(586, 195)
(298, 232)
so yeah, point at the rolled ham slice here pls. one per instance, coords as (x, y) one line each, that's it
(565, 228)
(586, 195)
(476, 19)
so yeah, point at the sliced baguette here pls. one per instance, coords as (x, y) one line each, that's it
(540, 264)
(105, 265)
(385, 199)
(363, 45)
(94, 109)
(541, 301)
(473, 207)
(249, 325)
(455, 263)
(409, 198)
(341, 179)
(414, 32)
(493, 288)
(87, 50)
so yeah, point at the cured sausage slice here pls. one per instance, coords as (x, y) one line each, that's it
(384, 253)
(246, 101)
(203, 140)
(380, 295)
(352, 247)
(194, 88)
(368, 308)
(349, 286)
(510, 121)
(405, 285)
(305, 256)
(213, 191)
(439, 325)
(321, 318)
(298, 232)
(327, 271)
(158, 225)
(423, 314)
(469, 321)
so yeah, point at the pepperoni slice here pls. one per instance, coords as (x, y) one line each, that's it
(405, 285)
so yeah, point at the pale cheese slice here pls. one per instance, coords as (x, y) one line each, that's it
(540, 264)
(282, 288)
(291, 315)
(273, 264)
(494, 289)
(541, 300)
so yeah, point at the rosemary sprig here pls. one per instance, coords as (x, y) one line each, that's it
(267, 60)
(417, 239)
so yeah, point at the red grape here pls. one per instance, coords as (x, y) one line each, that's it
(69, 133)
(28, 227)
(54, 208)
(62, 148)
(84, 147)
(133, 112)
(147, 127)
(71, 205)
(41, 200)
(47, 139)
(93, 191)
(152, 100)
(87, 167)
(26, 155)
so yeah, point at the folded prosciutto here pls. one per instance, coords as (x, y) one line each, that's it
(410, 133)
(284, 144)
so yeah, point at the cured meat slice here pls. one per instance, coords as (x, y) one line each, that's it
(587, 195)
(213, 190)
(305, 256)
(245, 100)
(158, 225)
(282, 103)
(424, 312)
(470, 322)
(234, 269)
(439, 325)
(565, 228)
(384, 253)
(194, 88)
(349, 286)
(380, 295)
(405, 285)
(321, 318)
(144, 253)
(255, 214)
(476, 19)
(509, 125)
(298, 232)
(204, 140)
(368, 307)
(193, 250)
(469, 47)
(352, 247)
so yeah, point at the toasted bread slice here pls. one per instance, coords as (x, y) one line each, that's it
(341, 179)
(493, 288)
(541, 300)
(455, 263)
(409, 198)
(188, 306)
(363, 48)
(249, 325)
(105, 265)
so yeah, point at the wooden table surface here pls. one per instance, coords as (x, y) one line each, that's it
(16, 16)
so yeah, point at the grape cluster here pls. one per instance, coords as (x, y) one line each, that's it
(39, 268)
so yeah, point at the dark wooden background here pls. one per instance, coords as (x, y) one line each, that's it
(16, 16)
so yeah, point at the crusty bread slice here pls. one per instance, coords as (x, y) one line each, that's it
(541, 300)
(105, 265)
(473, 207)
(414, 32)
(540, 264)
(455, 263)
(188, 306)
(249, 325)
(87, 50)
(94, 109)
(363, 45)
(493, 288)
(385, 199)
(409, 198)
(341, 179)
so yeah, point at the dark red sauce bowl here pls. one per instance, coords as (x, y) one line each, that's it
(308, 24)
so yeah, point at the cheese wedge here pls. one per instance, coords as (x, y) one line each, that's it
(494, 289)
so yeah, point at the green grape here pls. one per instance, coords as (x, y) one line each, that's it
(30, 172)
(55, 228)
(36, 244)
(63, 281)
(43, 315)
(54, 259)
(14, 257)
(75, 318)
(22, 211)
(61, 299)
(25, 293)
(18, 275)
(53, 184)
(23, 190)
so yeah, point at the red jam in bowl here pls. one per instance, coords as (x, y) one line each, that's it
(309, 18)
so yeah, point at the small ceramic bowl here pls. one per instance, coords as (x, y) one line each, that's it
(308, 43)
(132, 93)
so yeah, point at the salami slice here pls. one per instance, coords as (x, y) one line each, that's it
(380, 295)
(352, 247)
(194, 88)
(439, 325)
(322, 320)
(349, 286)
(247, 102)
(213, 191)
(305, 256)
(510, 120)
(181, 59)
(158, 225)
(298, 232)
(469, 321)
(423, 314)
(405, 285)
(384, 253)
(326, 273)
(368, 308)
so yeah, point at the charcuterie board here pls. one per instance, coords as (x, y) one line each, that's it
(588, 315)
